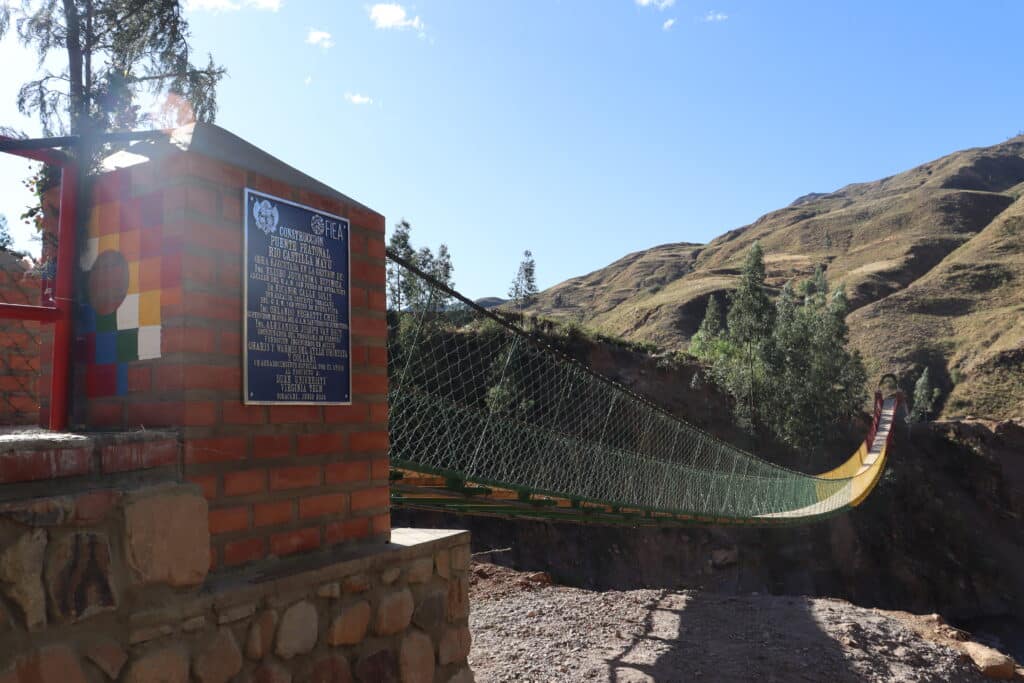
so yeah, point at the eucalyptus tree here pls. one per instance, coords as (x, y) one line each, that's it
(97, 57)
(523, 290)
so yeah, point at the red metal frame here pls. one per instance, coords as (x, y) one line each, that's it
(61, 313)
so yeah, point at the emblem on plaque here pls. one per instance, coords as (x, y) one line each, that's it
(316, 224)
(266, 215)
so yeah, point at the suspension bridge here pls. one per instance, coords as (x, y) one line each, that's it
(488, 419)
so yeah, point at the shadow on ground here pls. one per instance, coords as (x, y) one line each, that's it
(721, 638)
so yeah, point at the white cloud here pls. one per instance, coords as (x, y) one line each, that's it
(211, 6)
(307, 80)
(660, 4)
(319, 38)
(715, 16)
(667, 26)
(390, 15)
(356, 98)
(231, 5)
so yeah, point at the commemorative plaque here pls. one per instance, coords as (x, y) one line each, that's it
(296, 331)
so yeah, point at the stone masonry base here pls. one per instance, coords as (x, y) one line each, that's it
(393, 611)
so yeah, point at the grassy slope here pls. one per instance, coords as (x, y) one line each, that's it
(932, 259)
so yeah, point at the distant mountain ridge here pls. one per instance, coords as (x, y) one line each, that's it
(490, 301)
(932, 260)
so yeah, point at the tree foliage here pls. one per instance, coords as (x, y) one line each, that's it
(5, 234)
(405, 291)
(709, 334)
(523, 290)
(111, 52)
(786, 364)
(742, 361)
(925, 397)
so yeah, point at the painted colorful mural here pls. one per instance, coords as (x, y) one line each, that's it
(129, 274)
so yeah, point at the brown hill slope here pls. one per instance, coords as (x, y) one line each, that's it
(932, 259)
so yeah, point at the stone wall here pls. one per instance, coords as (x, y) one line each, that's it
(113, 584)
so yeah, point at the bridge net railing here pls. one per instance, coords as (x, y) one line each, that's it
(475, 397)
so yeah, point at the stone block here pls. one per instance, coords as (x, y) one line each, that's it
(455, 645)
(78, 576)
(394, 612)
(108, 656)
(21, 570)
(142, 634)
(430, 612)
(93, 507)
(462, 676)
(356, 583)
(227, 614)
(416, 658)
(390, 575)
(219, 660)
(271, 672)
(52, 664)
(165, 665)
(458, 597)
(297, 633)
(380, 666)
(194, 624)
(329, 590)
(331, 670)
(39, 512)
(261, 635)
(168, 537)
(443, 563)
(349, 627)
(460, 558)
(420, 570)
(990, 662)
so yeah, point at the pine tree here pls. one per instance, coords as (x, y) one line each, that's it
(750, 328)
(750, 314)
(703, 342)
(925, 396)
(524, 287)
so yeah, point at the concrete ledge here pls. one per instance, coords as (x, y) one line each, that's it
(35, 462)
(286, 575)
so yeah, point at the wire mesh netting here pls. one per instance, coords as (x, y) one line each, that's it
(474, 397)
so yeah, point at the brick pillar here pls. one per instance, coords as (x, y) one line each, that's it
(19, 345)
(159, 345)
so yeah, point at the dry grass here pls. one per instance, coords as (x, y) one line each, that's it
(932, 260)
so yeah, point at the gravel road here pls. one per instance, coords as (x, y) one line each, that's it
(525, 629)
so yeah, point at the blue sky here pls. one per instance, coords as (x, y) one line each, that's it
(584, 130)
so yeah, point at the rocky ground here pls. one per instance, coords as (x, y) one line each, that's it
(526, 629)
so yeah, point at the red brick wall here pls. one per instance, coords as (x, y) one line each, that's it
(19, 346)
(279, 479)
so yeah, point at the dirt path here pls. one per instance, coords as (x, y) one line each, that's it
(527, 630)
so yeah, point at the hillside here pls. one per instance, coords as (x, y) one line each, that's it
(932, 260)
